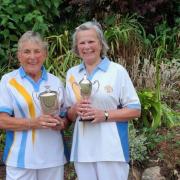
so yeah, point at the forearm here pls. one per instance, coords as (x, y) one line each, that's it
(19, 124)
(14, 124)
(123, 114)
(71, 113)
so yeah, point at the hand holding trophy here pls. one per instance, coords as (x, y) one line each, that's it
(49, 102)
(86, 89)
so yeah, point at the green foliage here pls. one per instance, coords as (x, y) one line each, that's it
(165, 40)
(3, 70)
(163, 45)
(138, 145)
(17, 18)
(153, 138)
(151, 109)
(157, 137)
(2, 140)
(154, 113)
(60, 58)
(170, 118)
(70, 171)
(124, 36)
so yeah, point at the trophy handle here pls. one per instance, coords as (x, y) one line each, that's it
(60, 91)
(96, 82)
(34, 99)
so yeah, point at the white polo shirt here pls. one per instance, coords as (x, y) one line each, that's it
(37, 148)
(105, 141)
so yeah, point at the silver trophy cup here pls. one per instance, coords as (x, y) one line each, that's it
(85, 86)
(49, 102)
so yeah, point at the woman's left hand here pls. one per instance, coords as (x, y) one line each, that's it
(63, 123)
(92, 113)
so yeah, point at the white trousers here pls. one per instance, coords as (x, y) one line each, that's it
(102, 170)
(55, 173)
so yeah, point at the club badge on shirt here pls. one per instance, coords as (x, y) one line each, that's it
(108, 89)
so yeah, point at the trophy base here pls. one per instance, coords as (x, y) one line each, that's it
(85, 120)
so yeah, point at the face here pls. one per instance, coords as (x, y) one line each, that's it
(31, 57)
(89, 47)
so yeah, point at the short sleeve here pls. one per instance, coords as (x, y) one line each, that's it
(6, 100)
(129, 97)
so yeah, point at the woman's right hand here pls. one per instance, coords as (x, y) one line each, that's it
(78, 109)
(83, 107)
(43, 122)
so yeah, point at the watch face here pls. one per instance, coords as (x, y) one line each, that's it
(106, 115)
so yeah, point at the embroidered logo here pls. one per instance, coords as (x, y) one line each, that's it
(108, 89)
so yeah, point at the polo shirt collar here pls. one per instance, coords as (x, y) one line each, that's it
(23, 74)
(103, 65)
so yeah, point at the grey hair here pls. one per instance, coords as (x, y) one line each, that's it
(34, 37)
(86, 26)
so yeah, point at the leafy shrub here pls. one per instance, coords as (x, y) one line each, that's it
(138, 145)
(124, 37)
(60, 58)
(155, 113)
(2, 140)
(17, 18)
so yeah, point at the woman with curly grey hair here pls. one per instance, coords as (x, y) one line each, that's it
(34, 147)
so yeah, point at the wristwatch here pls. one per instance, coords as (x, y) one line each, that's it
(106, 114)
